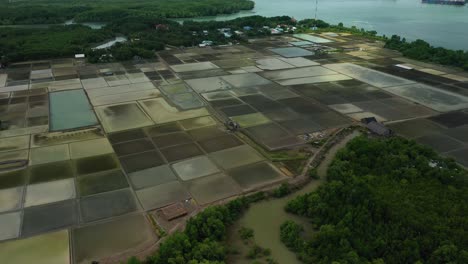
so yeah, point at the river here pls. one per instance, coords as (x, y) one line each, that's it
(112, 42)
(266, 217)
(440, 25)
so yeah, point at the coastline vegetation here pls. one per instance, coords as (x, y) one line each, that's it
(386, 201)
(59, 11)
(423, 51)
(150, 31)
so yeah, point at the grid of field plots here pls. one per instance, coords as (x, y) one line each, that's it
(86, 151)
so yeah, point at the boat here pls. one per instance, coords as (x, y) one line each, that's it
(445, 2)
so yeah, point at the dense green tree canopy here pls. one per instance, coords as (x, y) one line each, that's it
(421, 50)
(58, 11)
(386, 201)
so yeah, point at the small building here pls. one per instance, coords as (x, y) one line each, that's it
(224, 30)
(80, 56)
(275, 31)
(379, 129)
(375, 127)
(206, 43)
(247, 28)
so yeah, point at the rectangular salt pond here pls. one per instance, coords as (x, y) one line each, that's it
(245, 80)
(50, 248)
(199, 122)
(315, 79)
(124, 97)
(198, 66)
(186, 101)
(312, 38)
(252, 175)
(235, 157)
(195, 168)
(161, 112)
(122, 117)
(14, 143)
(69, 110)
(90, 148)
(152, 177)
(292, 52)
(50, 171)
(49, 192)
(273, 64)
(3, 79)
(120, 89)
(11, 199)
(249, 120)
(177, 88)
(49, 154)
(300, 62)
(94, 83)
(101, 182)
(208, 84)
(104, 239)
(217, 95)
(372, 77)
(10, 225)
(437, 99)
(40, 219)
(301, 43)
(108, 204)
(213, 188)
(298, 73)
(162, 195)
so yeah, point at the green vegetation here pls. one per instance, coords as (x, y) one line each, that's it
(246, 233)
(255, 251)
(306, 25)
(421, 50)
(290, 234)
(59, 41)
(146, 35)
(283, 190)
(204, 238)
(386, 201)
(58, 11)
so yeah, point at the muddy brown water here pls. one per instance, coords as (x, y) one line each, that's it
(266, 217)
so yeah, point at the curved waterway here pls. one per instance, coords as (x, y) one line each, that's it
(266, 217)
(440, 25)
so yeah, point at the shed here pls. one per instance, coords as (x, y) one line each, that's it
(379, 129)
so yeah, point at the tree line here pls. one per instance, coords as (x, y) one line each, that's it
(385, 201)
(58, 11)
(204, 239)
(423, 51)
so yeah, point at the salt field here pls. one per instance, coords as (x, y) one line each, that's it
(89, 152)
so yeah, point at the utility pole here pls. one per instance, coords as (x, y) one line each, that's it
(315, 19)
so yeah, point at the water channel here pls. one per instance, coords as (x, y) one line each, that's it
(266, 217)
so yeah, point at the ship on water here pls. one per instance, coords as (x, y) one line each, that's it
(445, 2)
